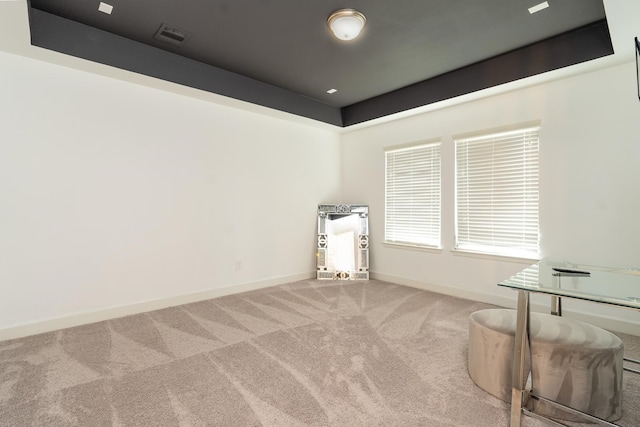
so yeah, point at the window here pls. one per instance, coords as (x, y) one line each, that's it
(497, 193)
(412, 195)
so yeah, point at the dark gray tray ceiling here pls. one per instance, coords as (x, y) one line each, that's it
(279, 54)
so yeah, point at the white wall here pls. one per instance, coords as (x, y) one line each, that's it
(115, 194)
(590, 180)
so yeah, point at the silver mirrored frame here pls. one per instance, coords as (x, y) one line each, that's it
(361, 261)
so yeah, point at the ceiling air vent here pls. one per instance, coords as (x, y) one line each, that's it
(171, 35)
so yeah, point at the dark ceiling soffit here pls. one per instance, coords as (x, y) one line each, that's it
(583, 44)
(69, 37)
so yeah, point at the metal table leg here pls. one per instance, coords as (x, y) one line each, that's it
(518, 392)
(556, 305)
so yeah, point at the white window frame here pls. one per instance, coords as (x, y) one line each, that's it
(497, 193)
(413, 186)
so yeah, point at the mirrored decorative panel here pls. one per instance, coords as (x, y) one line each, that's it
(343, 242)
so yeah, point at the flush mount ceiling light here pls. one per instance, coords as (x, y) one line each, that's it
(346, 24)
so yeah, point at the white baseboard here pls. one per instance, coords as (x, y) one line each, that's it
(54, 324)
(47, 325)
(448, 290)
(605, 322)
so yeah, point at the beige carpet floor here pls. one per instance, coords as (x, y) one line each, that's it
(307, 353)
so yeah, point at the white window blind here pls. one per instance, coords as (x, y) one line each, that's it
(412, 195)
(497, 191)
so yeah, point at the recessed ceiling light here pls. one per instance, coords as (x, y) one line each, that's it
(330, 91)
(105, 8)
(538, 7)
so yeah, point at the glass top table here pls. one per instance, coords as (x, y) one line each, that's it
(607, 285)
(618, 287)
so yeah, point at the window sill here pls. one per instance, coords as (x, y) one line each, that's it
(408, 246)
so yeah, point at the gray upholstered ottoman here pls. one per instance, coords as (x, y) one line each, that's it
(573, 363)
